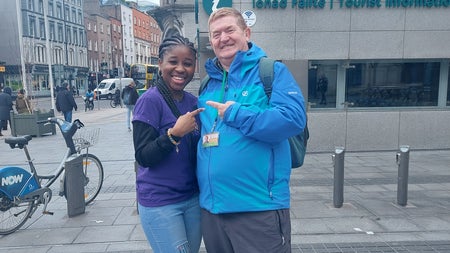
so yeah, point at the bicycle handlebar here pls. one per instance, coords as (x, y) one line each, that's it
(67, 129)
(63, 125)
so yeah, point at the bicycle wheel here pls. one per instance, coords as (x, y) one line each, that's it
(113, 103)
(13, 216)
(93, 181)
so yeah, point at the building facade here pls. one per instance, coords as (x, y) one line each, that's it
(385, 65)
(26, 47)
(104, 39)
(146, 37)
(125, 15)
(130, 36)
(98, 30)
(116, 44)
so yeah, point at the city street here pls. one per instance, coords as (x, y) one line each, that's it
(43, 103)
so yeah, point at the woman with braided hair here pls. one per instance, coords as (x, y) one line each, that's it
(165, 135)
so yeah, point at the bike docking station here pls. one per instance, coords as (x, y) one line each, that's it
(74, 185)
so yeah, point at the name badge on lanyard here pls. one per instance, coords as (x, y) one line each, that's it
(210, 140)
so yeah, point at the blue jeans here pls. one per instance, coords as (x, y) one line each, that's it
(173, 228)
(130, 109)
(68, 116)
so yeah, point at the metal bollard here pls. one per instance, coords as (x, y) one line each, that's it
(338, 161)
(403, 168)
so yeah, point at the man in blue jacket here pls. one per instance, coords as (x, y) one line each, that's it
(244, 161)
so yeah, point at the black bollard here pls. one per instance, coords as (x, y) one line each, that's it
(403, 170)
(338, 161)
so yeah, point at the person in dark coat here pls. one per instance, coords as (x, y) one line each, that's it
(322, 87)
(129, 98)
(6, 105)
(65, 102)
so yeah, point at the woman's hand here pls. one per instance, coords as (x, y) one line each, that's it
(186, 123)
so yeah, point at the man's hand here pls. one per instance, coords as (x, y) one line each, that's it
(221, 107)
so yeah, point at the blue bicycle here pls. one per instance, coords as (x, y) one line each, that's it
(23, 191)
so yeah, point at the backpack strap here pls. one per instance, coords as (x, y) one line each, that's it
(203, 84)
(266, 74)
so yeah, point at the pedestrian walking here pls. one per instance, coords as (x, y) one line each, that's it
(6, 106)
(65, 102)
(129, 98)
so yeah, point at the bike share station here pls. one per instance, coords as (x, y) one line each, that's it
(74, 176)
(20, 182)
(80, 174)
(74, 185)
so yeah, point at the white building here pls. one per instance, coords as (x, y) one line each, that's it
(127, 33)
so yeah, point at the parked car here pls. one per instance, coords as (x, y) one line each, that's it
(107, 88)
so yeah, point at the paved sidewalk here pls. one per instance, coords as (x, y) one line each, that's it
(369, 220)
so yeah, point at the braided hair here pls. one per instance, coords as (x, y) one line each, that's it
(173, 41)
(165, 46)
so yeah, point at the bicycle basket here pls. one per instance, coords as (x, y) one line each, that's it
(86, 137)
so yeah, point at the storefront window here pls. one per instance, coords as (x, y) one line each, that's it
(322, 86)
(392, 84)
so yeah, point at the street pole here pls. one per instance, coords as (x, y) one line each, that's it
(49, 58)
(22, 60)
(96, 86)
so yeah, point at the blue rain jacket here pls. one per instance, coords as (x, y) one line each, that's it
(250, 168)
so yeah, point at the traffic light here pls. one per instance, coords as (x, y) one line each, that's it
(116, 72)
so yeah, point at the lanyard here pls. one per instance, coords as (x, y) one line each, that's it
(222, 93)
